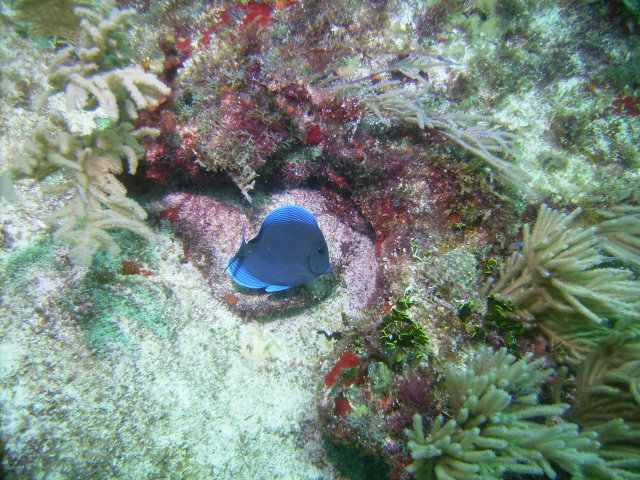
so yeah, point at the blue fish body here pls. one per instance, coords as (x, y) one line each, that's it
(290, 250)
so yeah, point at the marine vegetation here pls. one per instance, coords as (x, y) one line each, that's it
(92, 73)
(607, 401)
(373, 394)
(619, 233)
(607, 381)
(423, 136)
(50, 19)
(562, 283)
(604, 400)
(391, 99)
(401, 334)
(496, 424)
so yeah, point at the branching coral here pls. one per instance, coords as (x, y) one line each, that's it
(92, 70)
(559, 271)
(491, 430)
(100, 200)
(608, 382)
(89, 74)
(620, 233)
(620, 451)
(559, 281)
(607, 402)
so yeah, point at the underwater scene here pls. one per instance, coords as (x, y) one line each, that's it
(320, 239)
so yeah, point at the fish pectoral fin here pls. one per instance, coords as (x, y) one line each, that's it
(304, 277)
(275, 288)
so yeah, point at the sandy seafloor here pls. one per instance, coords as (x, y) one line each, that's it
(216, 397)
(206, 395)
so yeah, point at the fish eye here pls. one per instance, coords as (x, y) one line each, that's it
(322, 251)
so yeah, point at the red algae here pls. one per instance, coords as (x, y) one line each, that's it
(314, 135)
(347, 360)
(256, 12)
(129, 267)
(627, 106)
(300, 101)
(341, 406)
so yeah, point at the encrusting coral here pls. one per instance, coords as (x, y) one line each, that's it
(92, 74)
(494, 425)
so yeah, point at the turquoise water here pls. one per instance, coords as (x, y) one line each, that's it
(473, 166)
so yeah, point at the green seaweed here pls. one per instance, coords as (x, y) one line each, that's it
(401, 334)
(354, 464)
(50, 18)
(105, 295)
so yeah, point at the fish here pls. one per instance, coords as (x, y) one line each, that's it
(289, 251)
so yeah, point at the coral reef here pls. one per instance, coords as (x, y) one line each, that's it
(199, 218)
(373, 394)
(561, 282)
(89, 74)
(620, 233)
(46, 19)
(424, 136)
(607, 381)
(479, 134)
(100, 202)
(606, 402)
(92, 71)
(492, 427)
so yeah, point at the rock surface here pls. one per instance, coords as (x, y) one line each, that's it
(212, 230)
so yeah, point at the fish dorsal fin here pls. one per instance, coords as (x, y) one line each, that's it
(290, 213)
(242, 276)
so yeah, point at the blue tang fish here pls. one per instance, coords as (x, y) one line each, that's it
(289, 251)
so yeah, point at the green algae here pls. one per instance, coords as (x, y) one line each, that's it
(19, 263)
(50, 18)
(102, 297)
(106, 295)
(402, 336)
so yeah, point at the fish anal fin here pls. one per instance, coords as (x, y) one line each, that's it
(275, 288)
